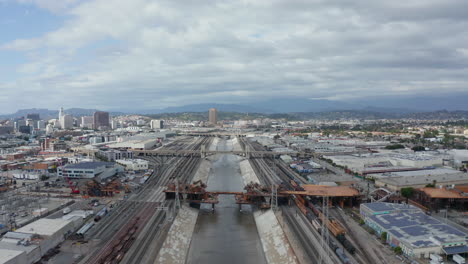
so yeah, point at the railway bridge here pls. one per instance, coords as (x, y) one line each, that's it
(203, 152)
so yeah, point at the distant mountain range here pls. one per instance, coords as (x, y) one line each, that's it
(286, 104)
(378, 107)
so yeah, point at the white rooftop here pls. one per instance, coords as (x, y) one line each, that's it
(433, 172)
(7, 254)
(44, 226)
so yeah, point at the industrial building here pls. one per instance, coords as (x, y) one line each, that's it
(29, 243)
(135, 144)
(362, 164)
(134, 164)
(394, 181)
(89, 170)
(454, 196)
(115, 154)
(416, 233)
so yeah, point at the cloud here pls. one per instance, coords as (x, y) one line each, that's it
(51, 5)
(152, 54)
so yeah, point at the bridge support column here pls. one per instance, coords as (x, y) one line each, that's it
(203, 151)
(247, 152)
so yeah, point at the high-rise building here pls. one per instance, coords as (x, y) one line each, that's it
(115, 124)
(157, 124)
(87, 122)
(101, 120)
(66, 122)
(34, 117)
(213, 116)
(24, 129)
(18, 123)
(61, 113)
(40, 124)
(30, 122)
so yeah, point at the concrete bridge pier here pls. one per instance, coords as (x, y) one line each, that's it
(203, 151)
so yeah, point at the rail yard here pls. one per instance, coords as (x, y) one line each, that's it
(130, 223)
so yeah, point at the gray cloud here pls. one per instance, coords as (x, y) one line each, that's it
(148, 54)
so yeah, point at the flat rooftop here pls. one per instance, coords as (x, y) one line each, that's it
(332, 191)
(442, 193)
(418, 229)
(388, 207)
(44, 226)
(430, 172)
(7, 254)
(422, 177)
(88, 165)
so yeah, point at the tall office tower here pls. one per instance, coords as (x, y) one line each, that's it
(157, 124)
(66, 122)
(101, 120)
(87, 122)
(34, 117)
(61, 113)
(213, 116)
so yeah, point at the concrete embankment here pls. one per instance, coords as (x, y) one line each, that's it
(177, 243)
(214, 144)
(235, 144)
(274, 242)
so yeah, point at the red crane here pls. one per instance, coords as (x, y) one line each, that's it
(74, 189)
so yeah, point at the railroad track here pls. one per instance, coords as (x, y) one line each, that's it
(272, 172)
(109, 229)
(144, 242)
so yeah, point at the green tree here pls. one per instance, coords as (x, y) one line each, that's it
(383, 236)
(397, 250)
(395, 146)
(418, 148)
(44, 177)
(407, 192)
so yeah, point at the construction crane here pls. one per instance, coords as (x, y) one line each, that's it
(74, 189)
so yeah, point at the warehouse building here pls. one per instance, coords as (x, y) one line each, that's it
(416, 233)
(9, 256)
(115, 154)
(394, 181)
(362, 163)
(90, 170)
(134, 165)
(29, 243)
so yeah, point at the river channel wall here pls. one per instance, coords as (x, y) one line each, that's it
(274, 242)
(177, 243)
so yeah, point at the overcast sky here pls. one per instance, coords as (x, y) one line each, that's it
(123, 54)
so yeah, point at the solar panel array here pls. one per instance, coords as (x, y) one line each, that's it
(416, 228)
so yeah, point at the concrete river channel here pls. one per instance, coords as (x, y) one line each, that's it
(227, 235)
